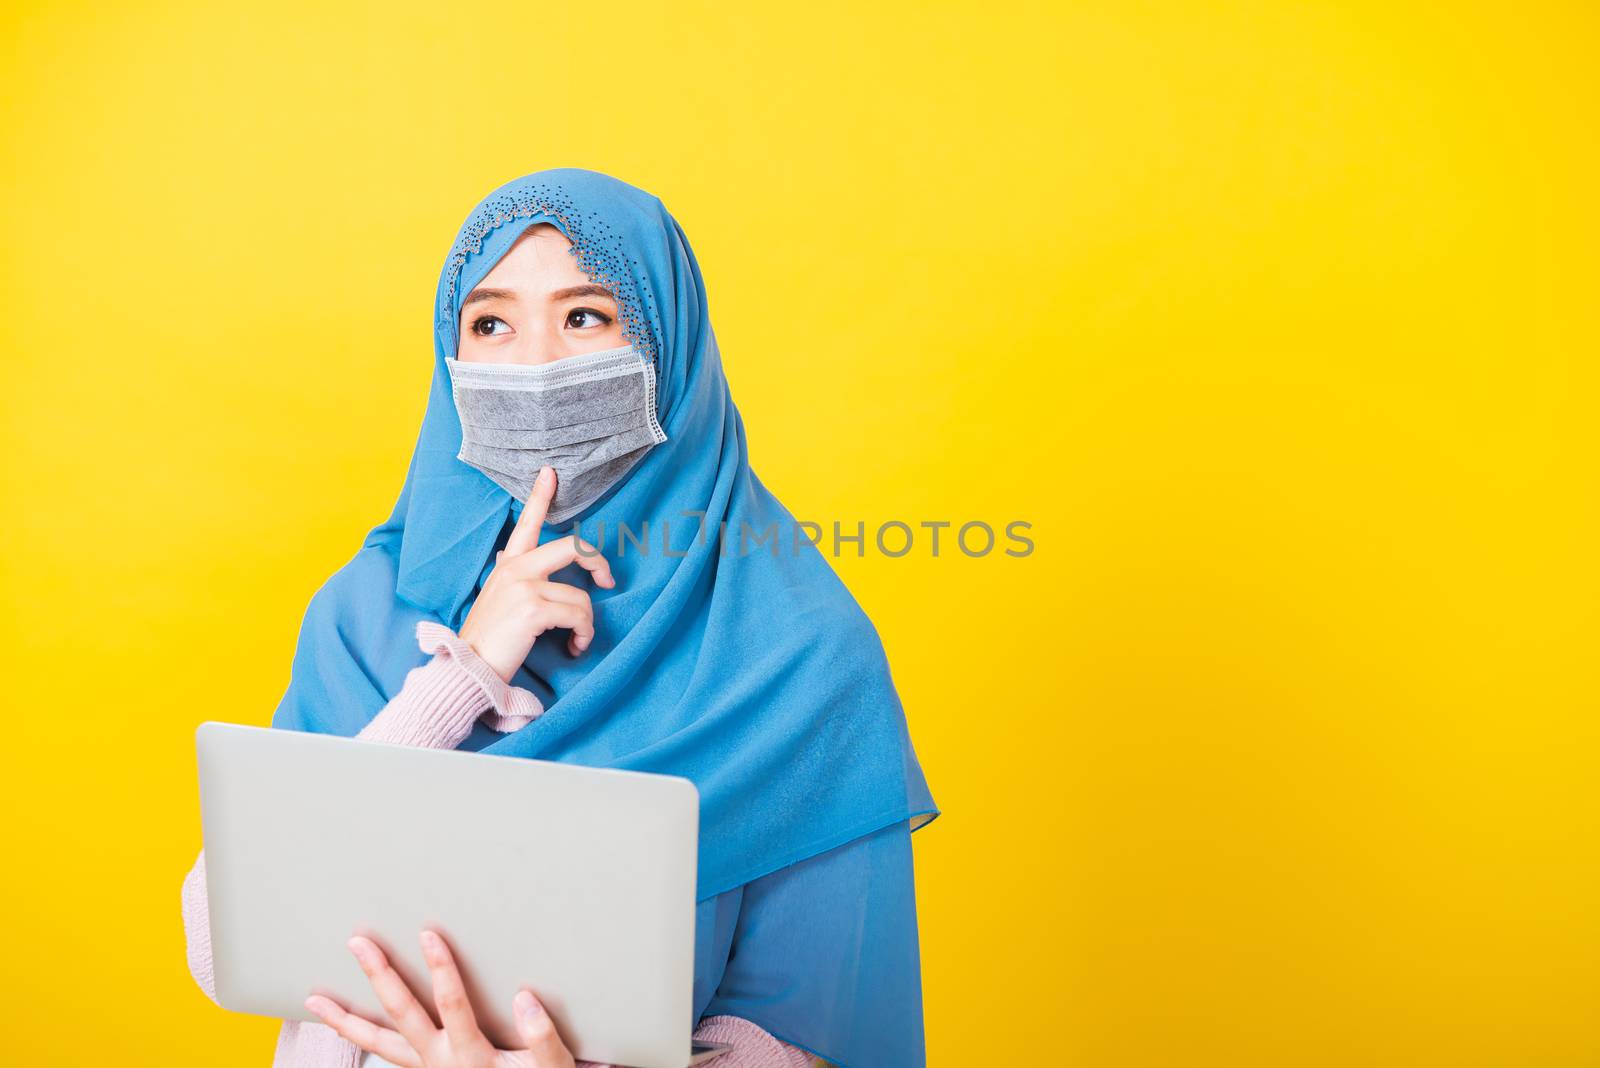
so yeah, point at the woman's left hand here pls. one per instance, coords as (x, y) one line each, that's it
(419, 1044)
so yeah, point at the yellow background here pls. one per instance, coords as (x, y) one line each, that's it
(1277, 320)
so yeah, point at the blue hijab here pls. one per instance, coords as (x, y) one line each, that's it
(723, 655)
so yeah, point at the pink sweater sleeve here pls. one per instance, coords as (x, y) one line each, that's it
(436, 708)
(752, 1047)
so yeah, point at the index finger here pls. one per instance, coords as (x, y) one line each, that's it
(525, 535)
(384, 1041)
(450, 995)
(393, 993)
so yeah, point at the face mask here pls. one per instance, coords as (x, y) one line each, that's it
(591, 417)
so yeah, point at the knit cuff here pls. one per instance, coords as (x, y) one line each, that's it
(753, 1047)
(512, 707)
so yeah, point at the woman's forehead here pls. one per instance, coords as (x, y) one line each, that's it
(541, 255)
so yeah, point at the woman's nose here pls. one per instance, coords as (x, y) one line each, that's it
(537, 352)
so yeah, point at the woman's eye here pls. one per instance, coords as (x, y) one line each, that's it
(477, 325)
(600, 318)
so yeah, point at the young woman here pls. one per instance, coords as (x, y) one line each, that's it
(684, 624)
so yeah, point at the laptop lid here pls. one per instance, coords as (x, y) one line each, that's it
(578, 882)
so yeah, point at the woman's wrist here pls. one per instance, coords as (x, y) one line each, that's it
(442, 698)
(435, 708)
(509, 707)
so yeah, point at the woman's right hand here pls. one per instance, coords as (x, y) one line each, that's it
(519, 602)
(414, 1041)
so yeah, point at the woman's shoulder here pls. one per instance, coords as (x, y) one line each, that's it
(358, 605)
(373, 567)
(364, 583)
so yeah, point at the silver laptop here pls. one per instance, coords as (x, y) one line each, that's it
(578, 882)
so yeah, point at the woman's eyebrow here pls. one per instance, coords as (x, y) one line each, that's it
(582, 291)
(488, 294)
(590, 290)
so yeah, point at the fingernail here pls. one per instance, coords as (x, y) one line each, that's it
(358, 947)
(431, 944)
(544, 475)
(528, 1006)
(314, 1005)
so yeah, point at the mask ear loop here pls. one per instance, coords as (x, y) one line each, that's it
(650, 400)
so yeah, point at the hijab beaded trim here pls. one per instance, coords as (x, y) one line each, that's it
(600, 255)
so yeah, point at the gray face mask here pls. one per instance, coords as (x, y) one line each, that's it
(591, 417)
